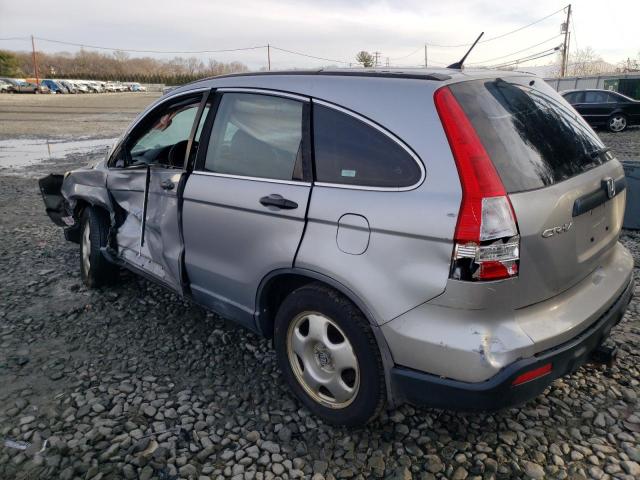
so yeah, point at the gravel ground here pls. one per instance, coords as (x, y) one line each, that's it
(625, 145)
(133, 382)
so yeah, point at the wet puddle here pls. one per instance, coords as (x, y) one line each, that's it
(16, 154)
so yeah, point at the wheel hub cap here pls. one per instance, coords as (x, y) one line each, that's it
(323, 360)
(323, 357)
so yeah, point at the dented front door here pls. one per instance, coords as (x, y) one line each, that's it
(146, 189)
(162, 227)
(148, 236)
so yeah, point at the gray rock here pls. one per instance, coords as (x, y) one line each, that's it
(270, 447)
(631, 468)
(460, 473)
(188, 471)
(284, 435)
(320, 466)
(533, 470)
(433, 463)
(129, 472)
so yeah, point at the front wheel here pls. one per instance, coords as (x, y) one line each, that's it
(94, 268)
(329, 357)
(617, 123)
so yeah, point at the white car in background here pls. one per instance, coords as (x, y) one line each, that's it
(96, 87)
(80, 86)
(135, 87)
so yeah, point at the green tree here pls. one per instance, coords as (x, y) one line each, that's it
(9, 64)
(365, 58)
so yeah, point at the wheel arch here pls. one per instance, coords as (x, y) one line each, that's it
(276, 285)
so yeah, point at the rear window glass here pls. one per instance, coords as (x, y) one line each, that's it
(350, 152)
(532, 136)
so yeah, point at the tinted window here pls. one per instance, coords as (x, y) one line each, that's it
(596, 97)
(614, 98)
(350, 152)
(532, 137)
(574, 97)
(256, 136)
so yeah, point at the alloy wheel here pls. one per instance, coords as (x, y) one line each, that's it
(617, 123)
(323, 360)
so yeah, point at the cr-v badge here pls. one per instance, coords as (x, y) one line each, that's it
(550, 232)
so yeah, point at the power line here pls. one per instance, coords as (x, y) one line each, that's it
(133, 50)
(14, 38)
(309, 56)
(490, 39)
(534, 56)
(98, 47)
(514, 53)
(407, 56)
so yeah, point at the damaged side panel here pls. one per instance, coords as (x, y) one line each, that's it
(62, 195)
(127, 187)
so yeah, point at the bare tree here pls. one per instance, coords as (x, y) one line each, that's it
(587, 61)
(584, 62)
(120, 64)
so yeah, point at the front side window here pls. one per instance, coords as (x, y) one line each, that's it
(349, 151)
(257, 135)
(575, 97)
(162, 139)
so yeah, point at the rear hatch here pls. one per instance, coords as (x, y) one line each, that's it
(566, 190)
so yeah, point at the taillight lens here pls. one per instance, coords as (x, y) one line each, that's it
(487, 244)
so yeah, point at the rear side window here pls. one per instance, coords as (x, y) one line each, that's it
(533, 138)
(256, 136)
(348, 151)
(596, 97)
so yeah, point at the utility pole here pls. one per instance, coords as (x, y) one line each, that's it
(268, 57)
(35, 62)
(387, 61)
(425, 56)
(565, 46)
(377, 54)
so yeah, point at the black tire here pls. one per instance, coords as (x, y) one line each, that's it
(100, 271)
(617, 123)
(370, 398)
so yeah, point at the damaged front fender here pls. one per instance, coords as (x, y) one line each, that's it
(63, 195)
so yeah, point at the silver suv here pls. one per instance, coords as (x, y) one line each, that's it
(441, 237)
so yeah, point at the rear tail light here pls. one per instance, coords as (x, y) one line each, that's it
(487, 244)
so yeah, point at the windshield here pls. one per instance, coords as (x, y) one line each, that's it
(533, 136)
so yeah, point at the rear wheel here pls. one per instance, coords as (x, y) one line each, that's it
(329, 357)
(617, 122)
(94, 268)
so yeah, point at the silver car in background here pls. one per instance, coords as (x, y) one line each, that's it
(439, 237)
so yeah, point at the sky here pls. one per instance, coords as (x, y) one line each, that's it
(332, 29)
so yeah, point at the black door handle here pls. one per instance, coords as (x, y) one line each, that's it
(275, 200)
(167, 185)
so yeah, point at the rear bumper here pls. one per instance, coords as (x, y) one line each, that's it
(498, 392)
